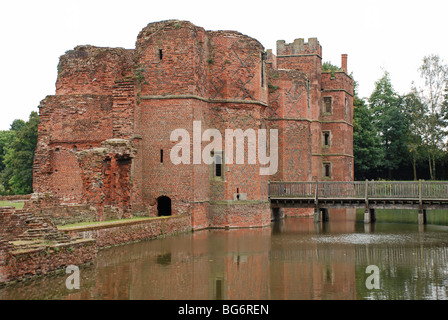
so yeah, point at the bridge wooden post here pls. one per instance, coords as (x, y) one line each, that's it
(317, 213)
(421, 211)
(422, 216)
(369, 214)
(420, 193)
(317, 216)
(366, 193)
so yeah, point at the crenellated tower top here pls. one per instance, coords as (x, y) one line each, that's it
(299, 47)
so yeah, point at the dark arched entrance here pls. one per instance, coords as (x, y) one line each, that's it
(163, 206)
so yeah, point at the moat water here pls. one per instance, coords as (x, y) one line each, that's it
(294, 259)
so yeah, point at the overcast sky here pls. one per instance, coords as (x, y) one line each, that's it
(392, 35)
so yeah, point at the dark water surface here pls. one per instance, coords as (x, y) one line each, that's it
(294, 259)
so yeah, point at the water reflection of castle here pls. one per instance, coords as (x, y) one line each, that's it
(294, 260)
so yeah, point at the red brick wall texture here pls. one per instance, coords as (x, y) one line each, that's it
(104, 137)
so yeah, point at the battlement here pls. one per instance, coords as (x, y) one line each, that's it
(92, 70)
(299, 47)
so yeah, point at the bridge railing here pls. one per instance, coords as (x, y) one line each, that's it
(435, 190)
(360, 189)
(395, 190)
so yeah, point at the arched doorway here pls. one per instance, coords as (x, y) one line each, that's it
(163, 206)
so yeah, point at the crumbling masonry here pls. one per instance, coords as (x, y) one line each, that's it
(104, 138)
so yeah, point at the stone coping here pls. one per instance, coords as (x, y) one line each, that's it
(111, 224)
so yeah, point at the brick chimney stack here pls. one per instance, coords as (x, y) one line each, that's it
(344, 62)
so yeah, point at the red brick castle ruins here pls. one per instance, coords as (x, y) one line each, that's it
(105, 148)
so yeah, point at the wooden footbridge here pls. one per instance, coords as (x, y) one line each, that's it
(369, 195)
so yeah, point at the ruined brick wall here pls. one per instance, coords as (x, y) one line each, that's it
(106, 174)
(30, 244)
(132, 231)
(94, 102)
(11, 224)
(21, 264)
(177, 74)
(68, 124)
(27, 226)
(92, 70)
(18, 197)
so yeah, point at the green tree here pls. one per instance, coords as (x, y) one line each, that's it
(329, 67)
(17, 125)
(433, 98)
(366, 141)
(17, 176)
(415, 113)
(390, 123)
(6, 137)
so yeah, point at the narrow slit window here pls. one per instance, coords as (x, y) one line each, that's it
(327, 170)
(219, 289)
(218, 166)
(326, 138)
(160, 54)
(346, 106)
(161, 155)
(263, 58)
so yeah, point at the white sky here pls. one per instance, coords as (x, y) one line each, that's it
(393, 35)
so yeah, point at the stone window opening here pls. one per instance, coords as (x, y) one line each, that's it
(217, 168)
(346, 106)
(219, 288)
(327, 170)
(160, 54)
(161, 155)
(164, 206)
(326, 137)
(327, 105)
(124, 160)
(263, 58)
(308, 95)
(75, 148)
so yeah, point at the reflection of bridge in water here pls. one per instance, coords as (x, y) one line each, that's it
(365, 254)
(369, 195)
